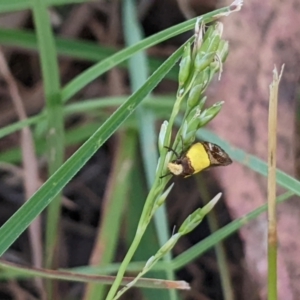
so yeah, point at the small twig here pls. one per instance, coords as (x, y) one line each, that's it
(30, 164)
(77, 277)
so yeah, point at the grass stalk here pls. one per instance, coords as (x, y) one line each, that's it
(55, 120)
(55, 125)
(272, 218)
(222, 261)
(197, 250)
(139, 70)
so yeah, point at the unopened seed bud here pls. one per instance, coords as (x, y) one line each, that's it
(162, 198)
(162, 135)
(211, 39)
(203, 60)
(194, 95)
(209, 114)
(194, 219)
(223, 50)
(199, 29)
(185, 65)
(168, 245)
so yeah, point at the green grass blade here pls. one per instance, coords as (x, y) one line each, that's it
(138, 70)
(212, 219)
(72, 48)
(74, 136)
(10, 231)
(95, 71)
(252, 162)
(111, 221)
(64, 2)
(55, 118)
(67, 47)
(16, 5)
(161, 105)
(149, 244)
(198, 249)
(9, 129)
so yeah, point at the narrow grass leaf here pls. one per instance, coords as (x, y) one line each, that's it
(198, 249)
(16, 5)
(95, 71)
(138, 70)
(55, 118)
(10, 231)
(252, 162)
(115, 200)
(79, 49)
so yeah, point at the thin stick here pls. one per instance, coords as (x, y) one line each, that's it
(26, 272)
(272, 226)
(30, 163)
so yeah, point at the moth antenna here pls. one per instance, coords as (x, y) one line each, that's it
(174, 152)
(165, 175)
